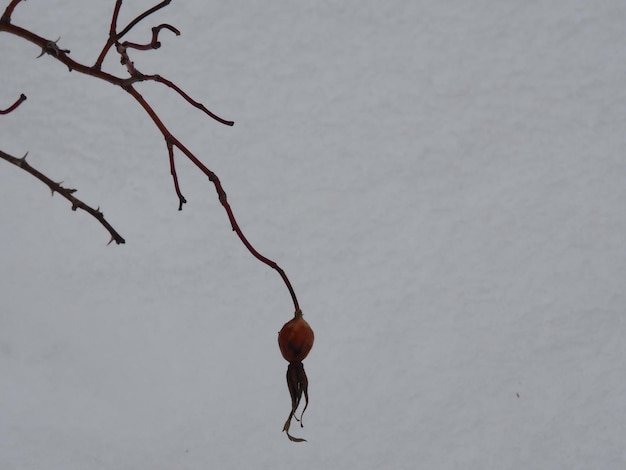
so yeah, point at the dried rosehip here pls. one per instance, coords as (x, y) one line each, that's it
(295, 340)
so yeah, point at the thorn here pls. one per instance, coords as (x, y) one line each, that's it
(22, 161)
(56, 187)
(51, 47)
(111, 240)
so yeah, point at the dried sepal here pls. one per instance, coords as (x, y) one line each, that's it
(298, 385)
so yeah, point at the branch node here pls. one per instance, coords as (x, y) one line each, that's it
(56, 187)
(52, 48)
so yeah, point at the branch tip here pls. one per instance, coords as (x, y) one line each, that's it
(14, 106)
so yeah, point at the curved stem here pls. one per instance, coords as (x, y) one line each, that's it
(11, 108)
(221, 194)
(222, 197)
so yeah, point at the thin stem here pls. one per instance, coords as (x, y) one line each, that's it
(170, 151)
(109, 43)
(145, 14)
(218, 187)
(114, 36)
(50, 47)
(14, 106)
(186, 97)
(154, 42)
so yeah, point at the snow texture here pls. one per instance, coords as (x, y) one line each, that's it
(443, 182)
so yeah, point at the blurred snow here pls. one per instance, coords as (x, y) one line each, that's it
(443, 182)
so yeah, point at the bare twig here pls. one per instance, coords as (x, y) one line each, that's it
(154, 43)
(170, 151)
(14, 106)
(141, 17)
(112, 39)
(186, 97)
(114, 36)
(67, 193)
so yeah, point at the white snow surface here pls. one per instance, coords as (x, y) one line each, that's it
(443, 182)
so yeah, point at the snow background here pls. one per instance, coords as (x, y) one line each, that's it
(443, 182)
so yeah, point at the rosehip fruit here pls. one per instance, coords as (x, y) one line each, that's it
(295, 339)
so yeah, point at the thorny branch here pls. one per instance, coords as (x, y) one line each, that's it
(127, 83)
(67, 193)
(56, 187)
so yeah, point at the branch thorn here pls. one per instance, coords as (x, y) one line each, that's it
(52, 48)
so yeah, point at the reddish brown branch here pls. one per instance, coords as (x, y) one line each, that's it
(221, 194)
(6, 16)
(170, 151)
(154, 42)
(186, 97)
(142, 16)
(112, 39)
(51, 48)
(114, 36)
(14, 106)
(67, 193)
(116, 13)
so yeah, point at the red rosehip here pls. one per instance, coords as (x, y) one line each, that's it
(295, 339)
